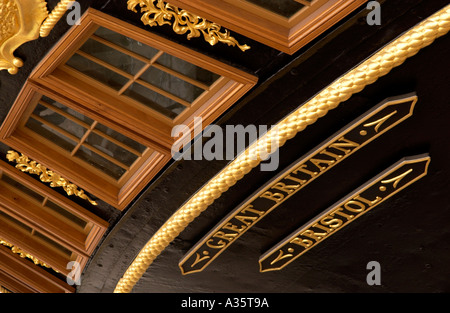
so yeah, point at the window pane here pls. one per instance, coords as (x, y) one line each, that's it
(53, 244)
(99, 162)
(122, 138)
(40, 199)
(60, 211)
(171, 84)
(190, 70)
(126, 42)
(286, 8)
(96, 71)
(22, 188)
(68, 110)
(115, 58)
(59, 120)
(16, 222)
(154, 100)
(50, 134)
(116, 152)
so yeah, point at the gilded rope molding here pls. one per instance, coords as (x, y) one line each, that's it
(22, 21)
(53, 18)
(23, 254)
(339, 91)
(26, 165)
(184, 22)
(4, 290)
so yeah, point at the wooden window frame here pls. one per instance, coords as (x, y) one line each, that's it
(22, 276)
(139, 124)
(81, 243)
(284, 34)
(145, 123)
(115, 192)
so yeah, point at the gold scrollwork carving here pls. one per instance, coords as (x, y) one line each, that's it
(26, 165)
(23, 254)
(161, 13)
(22, 21)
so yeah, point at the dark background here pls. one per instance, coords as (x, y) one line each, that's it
(407, 234)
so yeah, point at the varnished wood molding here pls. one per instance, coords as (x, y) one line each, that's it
(279, 32)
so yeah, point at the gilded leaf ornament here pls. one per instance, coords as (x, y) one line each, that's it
(158, 13)
(23, 254)
(22, 21)
(55, 180)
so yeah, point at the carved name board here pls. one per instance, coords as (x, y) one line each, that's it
(348, 140)
(345, 211)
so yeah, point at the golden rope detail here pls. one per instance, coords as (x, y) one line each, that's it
(162, 13)
(54, 17)
(25, 165)
(340, 90)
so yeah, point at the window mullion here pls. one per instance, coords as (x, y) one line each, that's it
(164, 93)
(83, 138)
(181, 76)
(106, 156)
(119, 48)
(104, 64)
(117, 142)
(63, 113)
(132, 80)
(55, 127)
(141, 71)
(44, 202)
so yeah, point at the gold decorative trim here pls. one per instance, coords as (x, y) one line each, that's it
(4, 290)
(378, 65)
(184, 22)
(23, 254)
(338, 147)
(345, 211)
(53, 18)
(26, 165)
(22, 21)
